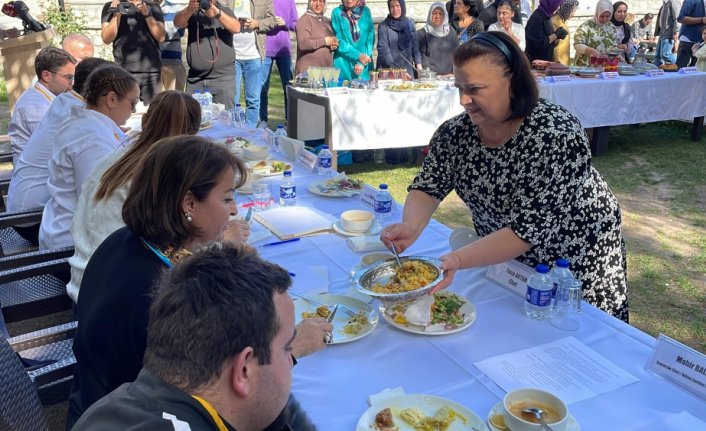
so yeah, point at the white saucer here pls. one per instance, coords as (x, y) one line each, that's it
(498, 408)
(374, 230)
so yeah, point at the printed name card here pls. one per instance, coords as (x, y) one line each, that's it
(690, 69)
(557, 78)
(655, 72)
(336, 90)
(679, 364)
(512, 275)
(367, 196)
(308, 158)
(609, 75)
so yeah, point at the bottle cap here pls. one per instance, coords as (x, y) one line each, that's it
(324, 147)
(562, 263)
(237, 105)
(383, 187)
(280, 126)
(542, 268)
(197, 91)
(287, 173)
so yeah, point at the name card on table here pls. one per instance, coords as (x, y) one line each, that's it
(512, 275)
(609, 75)
(367, 196)
(679, 364)
(557, 78)
(690, 69)
(336, 90)
(308, 158)
(656, 72)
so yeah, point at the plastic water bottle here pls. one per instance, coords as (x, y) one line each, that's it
(287, 190)
(383, 205)
(559, 271)
(323, 162)
(198, 97)
(207, 98)
(240, 115)
(539, 294)
(275, 136)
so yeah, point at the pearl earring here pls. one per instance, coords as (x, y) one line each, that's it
(188, 217)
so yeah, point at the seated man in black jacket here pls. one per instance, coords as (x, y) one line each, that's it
(218, 353)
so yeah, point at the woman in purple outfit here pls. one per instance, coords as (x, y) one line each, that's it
(278, 50)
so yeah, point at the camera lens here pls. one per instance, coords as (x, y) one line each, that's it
(205, 4)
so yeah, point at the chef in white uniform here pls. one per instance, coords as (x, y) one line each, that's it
(83, 139)
(55, 74)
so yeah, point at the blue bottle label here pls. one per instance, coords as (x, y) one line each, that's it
(383, 206)
(325, 162)
(540, 298)
(288, 192)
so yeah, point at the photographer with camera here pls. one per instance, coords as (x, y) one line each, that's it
(210, 26)
(136, 28)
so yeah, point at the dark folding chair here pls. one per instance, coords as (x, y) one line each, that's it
(10, 241)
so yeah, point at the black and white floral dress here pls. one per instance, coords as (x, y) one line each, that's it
(542, 185)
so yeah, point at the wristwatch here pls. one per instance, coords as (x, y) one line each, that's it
(218, 15)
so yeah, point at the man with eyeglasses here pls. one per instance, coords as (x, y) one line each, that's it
(55, 74)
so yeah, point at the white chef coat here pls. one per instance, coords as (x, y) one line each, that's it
(26, 115)
(28, 187)
(82, 141)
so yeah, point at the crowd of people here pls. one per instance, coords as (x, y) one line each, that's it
(160, 201)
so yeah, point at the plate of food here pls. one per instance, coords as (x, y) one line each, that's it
(588, 72)
(444, 313)
(206, 125)
(389, 282)
(352, 322)
(496, 422)
(235, 144)
(268, 168)
(419, 412)
(669, 67)
(339, 187)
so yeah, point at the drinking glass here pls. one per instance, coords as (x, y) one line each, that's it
(566, 311)
(336, 74)
(262, 195)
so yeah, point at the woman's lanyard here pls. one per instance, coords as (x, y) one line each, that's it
(159, 254)
(211, 411)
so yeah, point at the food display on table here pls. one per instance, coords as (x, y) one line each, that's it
(411, 86)
(440, 314)
(338, 186)
(627, 70)
(391, 283)
(353, 320)
(419, 413)
(540, 65)
(234, 143)
(669, 67)
(557, 69)
(588, 72)
(645, 67)
(267, 168)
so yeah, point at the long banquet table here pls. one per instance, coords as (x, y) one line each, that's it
(333, 385)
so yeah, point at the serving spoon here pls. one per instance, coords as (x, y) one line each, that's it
(397, 256)
(538, 414)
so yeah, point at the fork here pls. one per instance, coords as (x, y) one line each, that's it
(342, 307)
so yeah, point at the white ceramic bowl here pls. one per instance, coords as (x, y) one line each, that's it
(372, 258)
(537, 398)
(357, 220)
(256, 152)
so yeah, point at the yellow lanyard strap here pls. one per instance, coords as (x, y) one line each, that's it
(211, 411)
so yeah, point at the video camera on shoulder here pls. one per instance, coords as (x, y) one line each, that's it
(124, 8)
(205, 5)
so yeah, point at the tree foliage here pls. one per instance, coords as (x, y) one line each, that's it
(69, 21)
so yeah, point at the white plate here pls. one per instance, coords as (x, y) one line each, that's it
(266, 169)
(312, 187)
(206, 125)
(374, 230)
(468, 309)
(341, 318)
(428, 404)
(497, 409)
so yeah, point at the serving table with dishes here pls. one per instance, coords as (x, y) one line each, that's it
(438, 367)
(601, 103)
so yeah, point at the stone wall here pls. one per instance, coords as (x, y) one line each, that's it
(416, 9)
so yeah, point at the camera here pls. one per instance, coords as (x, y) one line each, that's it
(124, 8)
(205, 5)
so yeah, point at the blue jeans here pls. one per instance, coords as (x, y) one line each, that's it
(284, 66)
(252, 74)
(664, 52)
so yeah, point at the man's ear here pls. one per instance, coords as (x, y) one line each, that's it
(244, 372)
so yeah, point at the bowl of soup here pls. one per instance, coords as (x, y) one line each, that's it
(556, 413)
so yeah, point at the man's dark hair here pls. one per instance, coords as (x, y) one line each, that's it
(501, 50)
(51, 59)
(648, 16)
(83, 69)
(207, 309)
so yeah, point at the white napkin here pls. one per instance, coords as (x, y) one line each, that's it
(385, 394)
(366, 243)
(419, 312)
(290, 147)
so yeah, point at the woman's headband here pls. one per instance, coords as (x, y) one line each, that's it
(496, 42)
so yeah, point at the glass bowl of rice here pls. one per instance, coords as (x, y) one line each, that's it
(389, 282)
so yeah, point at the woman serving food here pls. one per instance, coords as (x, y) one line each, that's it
(523, 167)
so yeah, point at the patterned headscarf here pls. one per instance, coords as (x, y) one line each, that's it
(566, 9)
(548, 7)
(310, 11)
(443, 29)
(355, 13)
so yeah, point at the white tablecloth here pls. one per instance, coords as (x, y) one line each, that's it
(381, 119)
(333, 385)
(630, 99)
